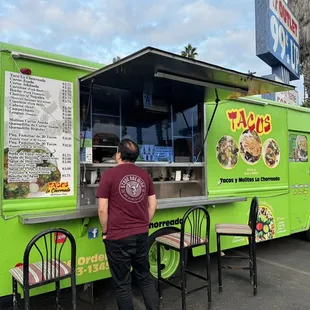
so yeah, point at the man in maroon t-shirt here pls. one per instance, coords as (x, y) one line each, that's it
(127, 204)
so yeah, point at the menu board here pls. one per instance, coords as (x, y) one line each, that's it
(38, 137)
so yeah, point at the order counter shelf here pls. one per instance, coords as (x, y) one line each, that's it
(92, 210)
(147, 164)
(155, 182)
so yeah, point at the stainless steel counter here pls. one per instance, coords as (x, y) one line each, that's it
(92, 210)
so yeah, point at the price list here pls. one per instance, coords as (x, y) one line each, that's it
(38, 137)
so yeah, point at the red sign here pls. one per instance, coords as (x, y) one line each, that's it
(56, 187)
(18, 265)
(59, 238)
(239, 119)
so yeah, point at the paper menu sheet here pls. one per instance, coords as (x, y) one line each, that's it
(39, 137)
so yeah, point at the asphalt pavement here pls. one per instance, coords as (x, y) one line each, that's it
(283, 283)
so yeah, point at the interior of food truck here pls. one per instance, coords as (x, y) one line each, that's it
(157, 100)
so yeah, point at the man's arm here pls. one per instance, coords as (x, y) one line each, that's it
(152, 206)
(103, 213)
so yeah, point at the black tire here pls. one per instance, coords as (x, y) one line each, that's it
(307, 235)
(159, 233)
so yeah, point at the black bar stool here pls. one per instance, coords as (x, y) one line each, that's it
(49, 269)
(247, 230)
(198, 221)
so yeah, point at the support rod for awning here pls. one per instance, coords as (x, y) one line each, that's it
(217, 100)
(87, 110)
(178, 78)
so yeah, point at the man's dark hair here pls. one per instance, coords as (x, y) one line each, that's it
(129, 150)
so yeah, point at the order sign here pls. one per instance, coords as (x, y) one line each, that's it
(277, 35)
(38, 139)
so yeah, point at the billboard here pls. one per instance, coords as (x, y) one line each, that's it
(288, 97)
(277, 36)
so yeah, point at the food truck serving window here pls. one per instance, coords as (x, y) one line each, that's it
(165, 131)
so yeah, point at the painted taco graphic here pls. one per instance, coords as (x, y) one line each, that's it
(250, 147)
(271, 153)
(227, 152)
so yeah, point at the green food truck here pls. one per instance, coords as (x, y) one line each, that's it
(205, 137)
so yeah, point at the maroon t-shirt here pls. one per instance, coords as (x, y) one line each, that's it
(127, 187)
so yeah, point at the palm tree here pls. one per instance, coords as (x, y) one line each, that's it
(189, 51)
(301, 9)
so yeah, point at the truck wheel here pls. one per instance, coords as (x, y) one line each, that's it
(307, 235)
(170, 259)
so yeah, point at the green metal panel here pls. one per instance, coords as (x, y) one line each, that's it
(91, 259)
(299, 120)
(299, 168)
(13, 235)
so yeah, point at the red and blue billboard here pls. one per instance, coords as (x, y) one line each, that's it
(277, 36)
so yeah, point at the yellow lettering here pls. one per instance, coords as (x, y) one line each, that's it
(79, 271)
(94, 259)
(81, 261)
(239, 119)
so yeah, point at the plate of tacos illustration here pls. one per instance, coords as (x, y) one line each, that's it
(227, 152)
(271, 153)
(250, 147)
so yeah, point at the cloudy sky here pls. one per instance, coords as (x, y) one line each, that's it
(99, 30)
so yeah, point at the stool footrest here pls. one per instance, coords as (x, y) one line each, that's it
(197, 289)
(235, 267)
(236, 257)
(196, 275)
(187, 292)
(171, 283)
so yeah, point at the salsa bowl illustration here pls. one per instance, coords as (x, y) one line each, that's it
(265, 225)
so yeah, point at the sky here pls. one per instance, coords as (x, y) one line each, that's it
(223, 31)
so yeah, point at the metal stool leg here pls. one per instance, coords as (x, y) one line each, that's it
(26, 298)
(251, 259)
(208, 273)
(57, 286)
(219, 262)
(254, 265)
(15, 293)
(158, 271)
(73, 290)
(183, 279)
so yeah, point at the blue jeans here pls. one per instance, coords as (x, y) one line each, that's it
(122, 254)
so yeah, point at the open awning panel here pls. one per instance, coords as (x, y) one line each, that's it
(180, 78)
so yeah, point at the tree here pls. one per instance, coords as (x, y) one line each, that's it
(301, 10)
(189, 51)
